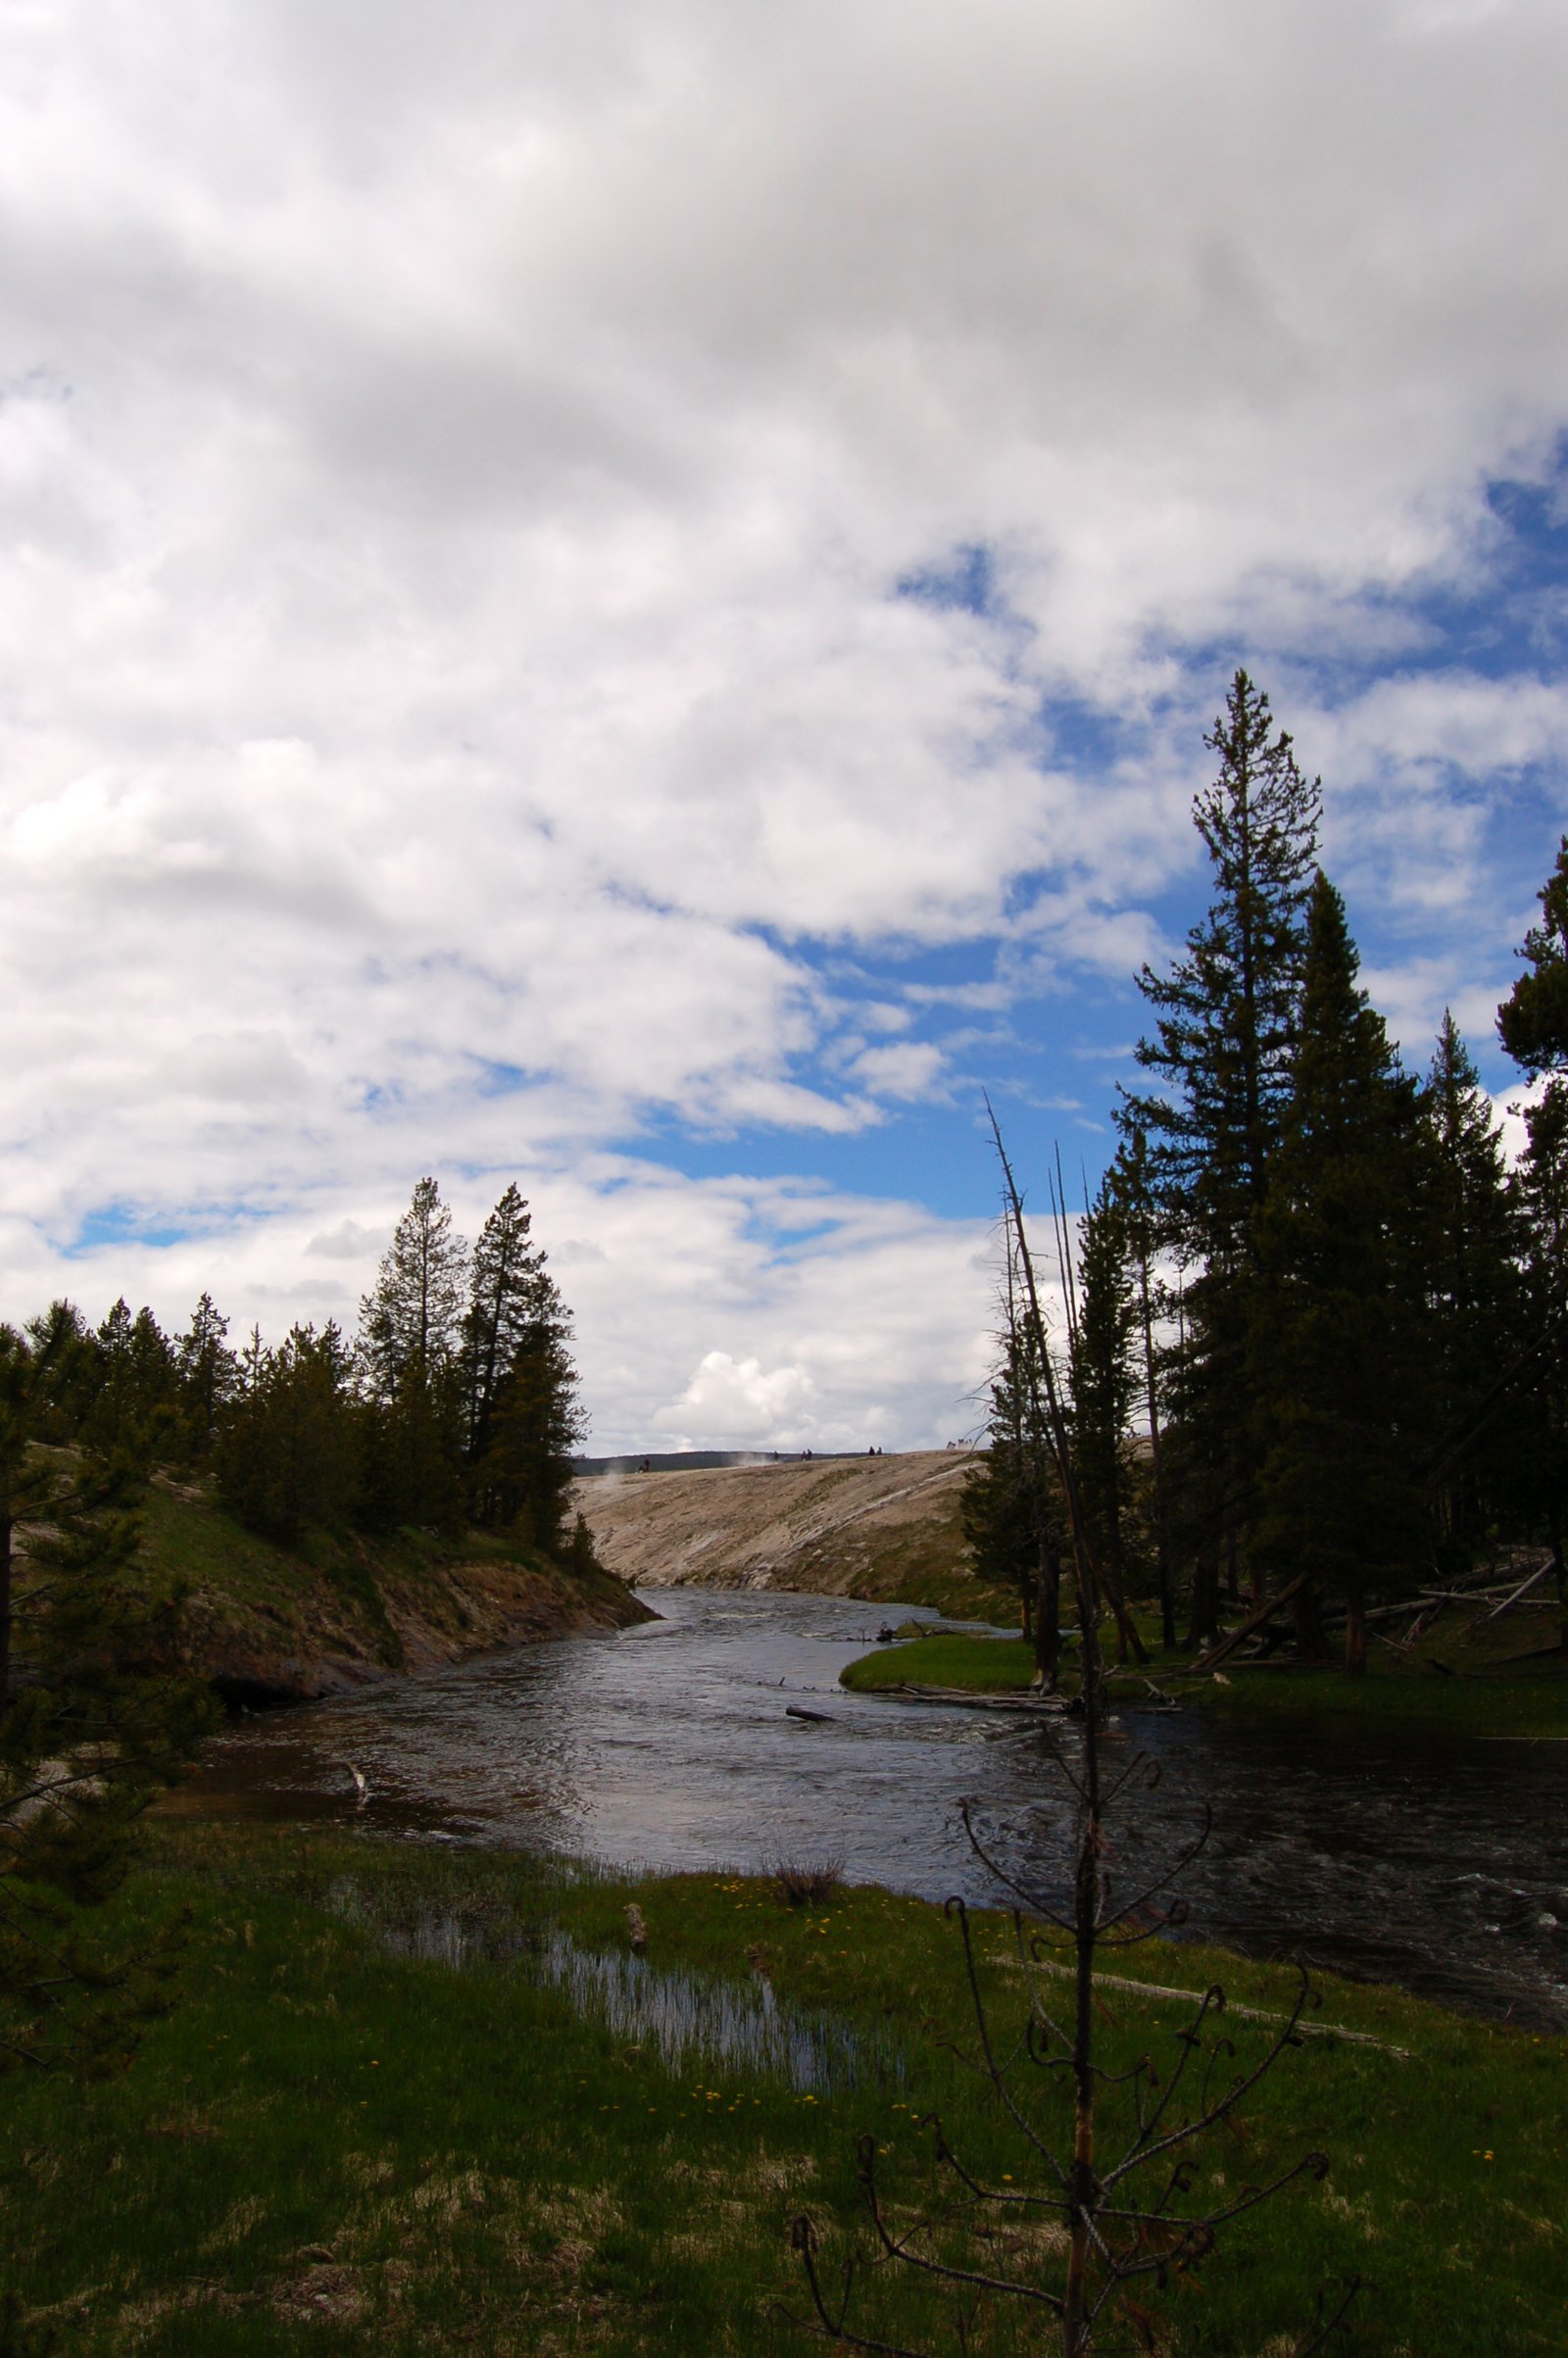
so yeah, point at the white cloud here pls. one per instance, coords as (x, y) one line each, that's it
(453, 482)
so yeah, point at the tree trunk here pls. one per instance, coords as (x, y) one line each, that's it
(1048, 1616)
(1205, 1625)
(1308, 1626)
(5, 1608)
(1355, 1637)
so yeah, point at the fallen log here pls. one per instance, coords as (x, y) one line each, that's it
(1265, 1612)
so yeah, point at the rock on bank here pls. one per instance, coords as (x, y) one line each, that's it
(274, 1625)
(883, 1528)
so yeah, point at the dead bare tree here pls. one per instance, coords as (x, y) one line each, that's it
(1126, 2211)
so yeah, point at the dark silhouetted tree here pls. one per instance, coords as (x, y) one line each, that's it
(289, 1450)
(1532, 1021)
(1221, 1058)
(408, 1349)
(1337, 1346)
(1472, 1250)
(96, 1712)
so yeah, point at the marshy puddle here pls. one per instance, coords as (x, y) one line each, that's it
(682, 2018)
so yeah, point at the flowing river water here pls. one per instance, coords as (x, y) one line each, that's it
(1439, 1863)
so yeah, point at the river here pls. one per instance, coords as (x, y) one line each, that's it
(1439, 1863)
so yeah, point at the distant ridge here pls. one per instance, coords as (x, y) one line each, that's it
(697, 1461)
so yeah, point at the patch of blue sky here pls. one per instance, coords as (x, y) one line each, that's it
(965, 583)
(1054, 1043)
(123, 1224)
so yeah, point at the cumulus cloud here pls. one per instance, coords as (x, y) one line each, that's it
(543, 560)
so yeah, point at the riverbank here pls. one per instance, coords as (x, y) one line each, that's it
(271, 1625)
(1457, 1686)
(375, 2122)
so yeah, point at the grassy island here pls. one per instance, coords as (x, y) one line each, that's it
(1466, 1680)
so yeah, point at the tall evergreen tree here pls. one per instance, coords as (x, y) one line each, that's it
(1101, 1379)
(95, 1714)
(524, 1480)
(1337, 1349)
(135, 1397)
(1472, 1246)
(1226, 1019)
(1532, 1021)
(1538, 1421)
(509, 1296)
(205, 1375)
(288, 1454)
(1011, 1507)
(1532, 1026)
(1151, 1305)
(410, 1328)
(522, 1421)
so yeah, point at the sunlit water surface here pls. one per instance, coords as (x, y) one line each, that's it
(1439, 1863)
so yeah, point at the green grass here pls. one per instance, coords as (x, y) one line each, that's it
(331, 2148)
(1486, 1688)
(979, 1665)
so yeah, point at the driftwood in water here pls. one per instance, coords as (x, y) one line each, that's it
(797, 1711)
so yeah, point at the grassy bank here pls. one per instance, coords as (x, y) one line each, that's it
(337, 2148)
(1461, 1682)
(340, 1609)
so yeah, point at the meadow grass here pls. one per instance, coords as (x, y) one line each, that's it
(333, 2146)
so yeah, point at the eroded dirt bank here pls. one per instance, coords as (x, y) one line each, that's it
(323, 1640)
(269, 1624)
(883, 1528)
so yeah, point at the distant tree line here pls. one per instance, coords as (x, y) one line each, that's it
(454, 1404)
(1316, 1325)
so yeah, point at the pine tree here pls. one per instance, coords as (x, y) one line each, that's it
(206, 1376)
(1337, 1349)
(1225, 1032)
(288, 1454)
(1532, 1021)
(524, 1480)
(1010, 1506)
(1472, 1245)
(1532, 1026)
(407, 1347)
(95, 1714)
(509, 1297)
(1151, 1304)
(1100, 1379)
(135, 1399)
(1539, 1420)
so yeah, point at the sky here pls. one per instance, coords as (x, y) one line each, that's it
(628, 598)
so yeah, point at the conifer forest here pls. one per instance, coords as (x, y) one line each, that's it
(1312, 1322)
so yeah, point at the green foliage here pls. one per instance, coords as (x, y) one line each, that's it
(1100, 1376)
(95, 1716)
(288, 1448)
(1475, 1315)
(1010, 1509)
(1532, 1021)
(1338, 1348)
(1223, 1051)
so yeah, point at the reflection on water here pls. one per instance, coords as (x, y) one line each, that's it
(684, 2018)
(1436, 1862)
